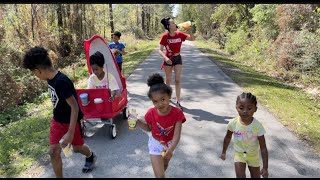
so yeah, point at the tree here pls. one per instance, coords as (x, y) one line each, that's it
(111, 18)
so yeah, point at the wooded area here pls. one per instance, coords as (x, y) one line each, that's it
(282, 40)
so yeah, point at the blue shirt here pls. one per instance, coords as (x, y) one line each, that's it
(118, 46)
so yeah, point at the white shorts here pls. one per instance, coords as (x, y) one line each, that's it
(155, 147)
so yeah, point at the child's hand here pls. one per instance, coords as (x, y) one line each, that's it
(133, 115)
(111, 99)
(168, 154)
(168, 61)
(264, 172)
(67, 139)
(223, 156)
(187, 28)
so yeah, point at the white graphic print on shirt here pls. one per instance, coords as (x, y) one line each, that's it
(178, 40)
(53, 95)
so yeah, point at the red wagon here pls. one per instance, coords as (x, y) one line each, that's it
(104, 111)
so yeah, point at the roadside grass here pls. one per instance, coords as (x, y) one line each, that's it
(24, 130)
(296, 109)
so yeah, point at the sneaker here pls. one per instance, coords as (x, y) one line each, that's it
(179, 105)
(89, 165)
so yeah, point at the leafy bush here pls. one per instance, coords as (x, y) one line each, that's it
(297, 17)
(282, 48)
(255, 52)
(307, 56)
(19, 85)
(263, 15)
(235, 41)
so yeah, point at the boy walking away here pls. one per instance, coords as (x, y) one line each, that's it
(117, 48)
(65, 123)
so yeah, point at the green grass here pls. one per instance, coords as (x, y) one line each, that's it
(24, 133)
(296, 109)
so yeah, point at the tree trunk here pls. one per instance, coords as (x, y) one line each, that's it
(148, 21)
(156, 24)
(143, 18)
(17, 12)
(69, 22)
(64, 48)
(2, 29)
(111, 18)
(32, 21)
(60, 20)
(85, 22)
(77, 28)
(81, 21)
(137, 14)
(247, 14)
(104, 24)
(53, 12)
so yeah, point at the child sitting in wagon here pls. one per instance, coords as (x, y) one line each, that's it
(100, 79)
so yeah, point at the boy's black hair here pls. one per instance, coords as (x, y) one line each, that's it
(166, 22)
(36, 57)
(249, 96)
(97, 59)
(117, 33)
(156, 83)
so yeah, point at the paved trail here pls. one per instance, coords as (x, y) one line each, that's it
(208, 96)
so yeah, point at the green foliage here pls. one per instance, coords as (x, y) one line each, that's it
(236, 41)
(297, 17)
(255, 52)
(263, 14)
(307, 55)
(24, 142)
(232, 16)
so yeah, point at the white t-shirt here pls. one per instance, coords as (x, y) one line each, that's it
(94, 82)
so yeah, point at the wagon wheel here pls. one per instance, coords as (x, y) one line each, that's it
(113, 131)
(125, 113)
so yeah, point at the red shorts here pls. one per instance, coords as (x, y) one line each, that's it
(58, 130)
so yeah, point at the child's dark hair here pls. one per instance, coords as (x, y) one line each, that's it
(97, 59)
(117, 33)
(252, 98)
(166, 22)
(156, 83)
(36, 57)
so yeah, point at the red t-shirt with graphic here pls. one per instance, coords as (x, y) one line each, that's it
(163, 126)
(174, 42)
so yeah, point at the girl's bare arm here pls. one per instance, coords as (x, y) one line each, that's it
(162, 53)
(226, 143)
(264, 155)
(176, 136)
(191, 36)
(143, 125)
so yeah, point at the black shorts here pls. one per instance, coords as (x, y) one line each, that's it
(175, 60)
